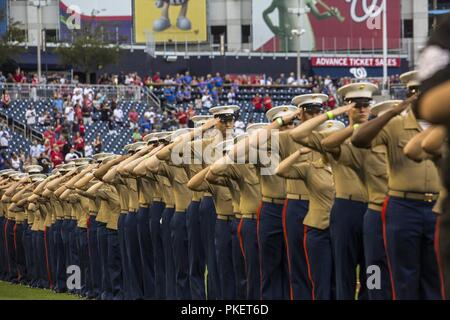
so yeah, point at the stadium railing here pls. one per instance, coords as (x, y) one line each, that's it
(46, 91)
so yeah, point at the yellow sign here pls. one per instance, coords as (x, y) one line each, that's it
(170, 20)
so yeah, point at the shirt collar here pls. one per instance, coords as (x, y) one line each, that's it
(410, 122)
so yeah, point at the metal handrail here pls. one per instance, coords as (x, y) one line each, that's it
(46, 91)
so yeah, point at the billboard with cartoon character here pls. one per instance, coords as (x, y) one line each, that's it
(327, 24)
(170, 20)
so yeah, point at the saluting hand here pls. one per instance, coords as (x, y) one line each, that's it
(343, 109)
(291, 117)
(209, 124)
(399, 108)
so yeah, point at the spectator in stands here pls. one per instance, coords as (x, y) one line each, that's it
(136, 135)
(231, 96)
(2, 77)
(105, 112)
(291, 79)
(6, 100)
(36, 149)
(190, 114)
(97, 144)
(207, 100)
(118, 116)
(257, 102)
(169, 95)
(133, 117)
(69, 114)
(87, 113)
(78, 143)
(198, 102)
(182, 118)
(187, 79)
(331, 101)
(71, 155)
(89, 150)
(58, 102)
(15, 162)
(45, 163)
(78, 113)
(30, 115)
(77, 96)
(3, 163)
(81, 128)
(156, 78)
(267, 102)
(4, 141)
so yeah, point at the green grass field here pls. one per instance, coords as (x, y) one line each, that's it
(18, 292)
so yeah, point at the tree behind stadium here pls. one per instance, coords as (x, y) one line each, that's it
(11, 40)
(89, 51)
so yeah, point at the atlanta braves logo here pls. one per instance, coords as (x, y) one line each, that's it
(374, 10)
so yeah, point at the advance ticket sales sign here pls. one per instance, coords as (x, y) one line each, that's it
(354, 62)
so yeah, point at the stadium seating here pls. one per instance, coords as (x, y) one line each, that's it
(113, 141)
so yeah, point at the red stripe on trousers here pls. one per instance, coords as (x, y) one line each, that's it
(47, 264)
(383, 218)
(313, 286)
(258, 216)
(15, 248)
(283, 219)
(241, 242)
(437, 249)
(6, 245)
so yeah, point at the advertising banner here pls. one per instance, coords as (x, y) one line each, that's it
(113, 16)
(323, 25)
(354, 62)
(170, 21)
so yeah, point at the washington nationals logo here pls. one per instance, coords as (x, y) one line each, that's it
(369, 11)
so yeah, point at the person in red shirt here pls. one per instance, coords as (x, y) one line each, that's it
(78, 112)
(331, 101)
(49, 135)
(18, 76)
(257, 102)
(56, 156)
(182, 118)
(267, 102)
(156, 78)
(78, 143)
(133, 117)
(61, 142)
(6, 99)
(81, 128)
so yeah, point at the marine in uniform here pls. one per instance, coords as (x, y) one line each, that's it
(433, 105)
(350, 205)
(249, 204)
(408, 220)
(318, 178)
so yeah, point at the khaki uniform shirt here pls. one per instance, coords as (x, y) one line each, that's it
(146, 189)
(348, 182)
(178, 179)
(373, 163)
(133, 195)
(250, 189)
(319, 181)
(406, 175)
(287, 146)
(166, 191)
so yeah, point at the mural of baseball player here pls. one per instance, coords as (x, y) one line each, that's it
(288, 19)
(163, 23)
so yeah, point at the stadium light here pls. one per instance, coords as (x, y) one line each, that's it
(39, 4)
(298, 33)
